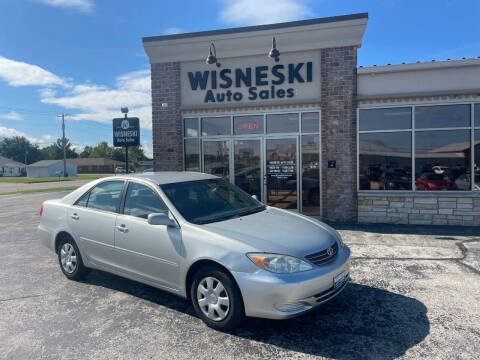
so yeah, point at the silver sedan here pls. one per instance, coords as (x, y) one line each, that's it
(200, 237)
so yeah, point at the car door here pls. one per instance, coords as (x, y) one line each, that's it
(152, 252)
(92, 220)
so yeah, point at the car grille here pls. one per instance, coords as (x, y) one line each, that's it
(323, 256)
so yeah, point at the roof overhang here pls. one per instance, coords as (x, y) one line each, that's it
(313, 34)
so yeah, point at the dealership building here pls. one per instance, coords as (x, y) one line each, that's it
(284, 112)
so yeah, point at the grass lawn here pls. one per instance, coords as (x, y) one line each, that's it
(26, 180)
(40, 190)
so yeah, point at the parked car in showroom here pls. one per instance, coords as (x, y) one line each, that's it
(463, 182)
(199, 237)
(434, 181)
(396, 180)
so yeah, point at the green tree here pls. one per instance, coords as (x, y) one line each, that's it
(135, 155)
(102, 150)
(118, 154)
(18, 148)
(87, 150)
(55, 151)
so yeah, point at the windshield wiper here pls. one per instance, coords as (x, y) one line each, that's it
(231, 216)
(252, 211)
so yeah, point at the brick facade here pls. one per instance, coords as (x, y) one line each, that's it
(166, 122)
(339, 133)
(421, 209)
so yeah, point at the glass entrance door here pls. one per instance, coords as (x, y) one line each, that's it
(216, 155)
(281, 172)
(248, 166)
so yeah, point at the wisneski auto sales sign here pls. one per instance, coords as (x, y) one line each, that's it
(253, 79)
(126, 132)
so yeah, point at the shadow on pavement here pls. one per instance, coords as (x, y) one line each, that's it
(361, 322)
(439, 230)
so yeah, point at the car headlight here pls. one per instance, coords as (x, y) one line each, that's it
(280, 264)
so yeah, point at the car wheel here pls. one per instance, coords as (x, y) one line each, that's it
(70, 259)
(217, 299)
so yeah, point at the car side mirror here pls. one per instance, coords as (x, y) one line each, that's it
(161, 219)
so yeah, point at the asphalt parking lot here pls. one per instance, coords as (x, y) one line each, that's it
(415, 293)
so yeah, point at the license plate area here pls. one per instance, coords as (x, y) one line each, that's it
(339, 279)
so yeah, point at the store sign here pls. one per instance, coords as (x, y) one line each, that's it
(126, 132)
(252, 80)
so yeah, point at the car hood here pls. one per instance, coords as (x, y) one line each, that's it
(277, 231)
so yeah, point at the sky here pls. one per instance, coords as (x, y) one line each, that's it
(85, 58)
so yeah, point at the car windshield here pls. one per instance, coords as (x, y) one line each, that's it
(211, 200)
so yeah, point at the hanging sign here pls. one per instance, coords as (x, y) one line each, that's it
(126, 132)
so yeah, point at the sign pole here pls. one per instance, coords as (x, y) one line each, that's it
(126, 155)
(126, 132)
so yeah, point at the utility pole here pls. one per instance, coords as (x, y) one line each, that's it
(64, 145)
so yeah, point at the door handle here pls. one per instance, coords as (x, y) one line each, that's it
(74, 216)
(122, 228)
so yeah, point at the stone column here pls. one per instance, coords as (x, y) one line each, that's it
(166, 122)
(339, 133)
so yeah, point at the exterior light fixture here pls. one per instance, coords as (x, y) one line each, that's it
(124, 110)
(274, 53)
(212, 56)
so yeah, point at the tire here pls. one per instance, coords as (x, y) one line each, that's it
(204, 298)
(70, 260)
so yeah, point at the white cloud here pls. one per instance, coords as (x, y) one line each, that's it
(9, 132)
(17, 73)
(12, 115)
(254, 12)
(173, 30)
(147, 149)
(88, 101)
(101, 103)
(82, 5)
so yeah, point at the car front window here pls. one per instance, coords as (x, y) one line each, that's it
(141, 201)
(211, 200)
(105, 196)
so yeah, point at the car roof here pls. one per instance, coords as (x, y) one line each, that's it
(168, 177)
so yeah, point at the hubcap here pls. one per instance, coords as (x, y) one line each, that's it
(68, 258)
(213, 299)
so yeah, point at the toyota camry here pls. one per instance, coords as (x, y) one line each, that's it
(199, 237)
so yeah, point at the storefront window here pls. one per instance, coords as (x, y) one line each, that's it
(248, 124)
(477, 115)
(274, 156)
(282, 123)
(216, 155)
(442, 160)
(311, 174)
(190, 127)
(192, 154)
(216, 126)
(442, 151)
(310, 122)
(442, 116)
(385, 161)
(476, 157)
(386, 119)
(247, 160)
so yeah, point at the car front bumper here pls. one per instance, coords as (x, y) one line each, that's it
(282, 296)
